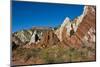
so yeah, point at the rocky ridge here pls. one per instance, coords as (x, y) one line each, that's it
(80, 26)
(70, 32)
(73, 41)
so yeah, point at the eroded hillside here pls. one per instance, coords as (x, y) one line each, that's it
(73, 41)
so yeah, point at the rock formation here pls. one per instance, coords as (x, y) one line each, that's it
(70, 33)
(81, 26)
(66, 24)
(76, 37)
(27, 38)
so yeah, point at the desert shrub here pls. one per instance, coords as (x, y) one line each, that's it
(56, 54)
(52, 54)
(80, 54)
(74, 54)
(25, 54)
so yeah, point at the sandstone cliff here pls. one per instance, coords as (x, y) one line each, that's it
(81, 26)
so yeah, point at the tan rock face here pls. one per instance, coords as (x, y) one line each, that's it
(89, 38)
(88, 21)
(65, 24)
(49, 38)
(81, 26)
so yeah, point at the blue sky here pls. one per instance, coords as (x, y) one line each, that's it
(28, 14)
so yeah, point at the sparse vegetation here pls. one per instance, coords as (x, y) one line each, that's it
(55, 54)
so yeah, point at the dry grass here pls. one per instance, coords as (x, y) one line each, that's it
(54, 54)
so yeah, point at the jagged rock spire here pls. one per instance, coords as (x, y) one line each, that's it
(66, 21)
